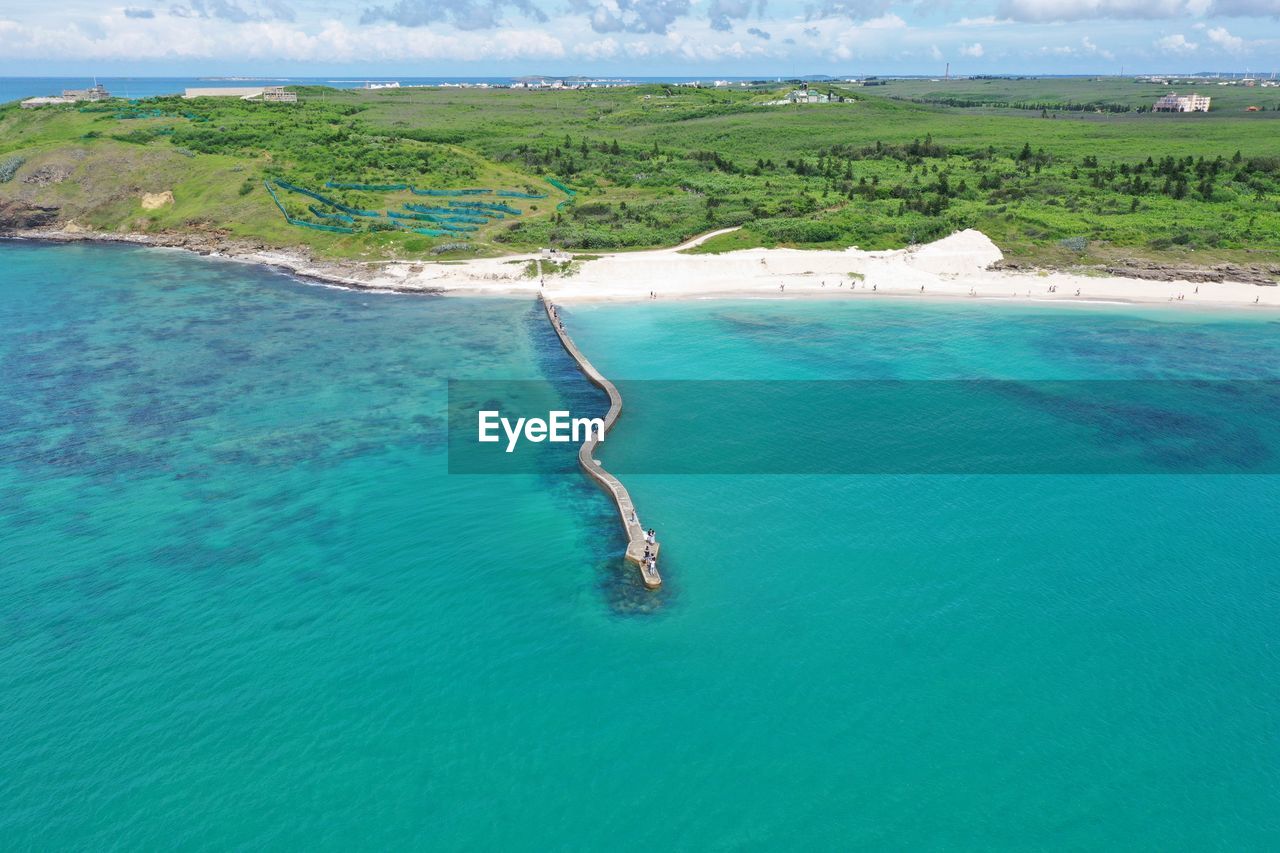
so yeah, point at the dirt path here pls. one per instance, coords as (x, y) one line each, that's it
(701, 238)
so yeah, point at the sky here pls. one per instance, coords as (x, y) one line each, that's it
(389, 38)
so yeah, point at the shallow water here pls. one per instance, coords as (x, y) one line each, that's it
(243, 603)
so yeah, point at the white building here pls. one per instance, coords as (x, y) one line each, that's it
(278, 95)
(1175, 103)
(273, 94)
(803, 96)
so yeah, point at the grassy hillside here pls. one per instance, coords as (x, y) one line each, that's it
(652, 165)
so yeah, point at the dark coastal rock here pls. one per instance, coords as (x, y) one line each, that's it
(20, 215)
(1219, 272)
(1155, 271)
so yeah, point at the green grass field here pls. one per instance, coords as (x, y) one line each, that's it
(1078, 93)
(653, 165)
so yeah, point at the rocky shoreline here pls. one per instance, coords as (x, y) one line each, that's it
(30, 224)
(1259, 274)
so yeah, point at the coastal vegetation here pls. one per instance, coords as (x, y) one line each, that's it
(1076, 175)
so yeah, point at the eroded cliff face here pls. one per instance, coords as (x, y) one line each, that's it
(21, 215)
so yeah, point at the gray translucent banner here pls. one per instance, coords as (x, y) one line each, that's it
(885, 427)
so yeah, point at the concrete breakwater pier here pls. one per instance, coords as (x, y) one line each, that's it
(636, 544)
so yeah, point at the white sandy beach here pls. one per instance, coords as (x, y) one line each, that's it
(954, 267)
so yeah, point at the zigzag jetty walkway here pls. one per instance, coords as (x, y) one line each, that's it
(627, 514)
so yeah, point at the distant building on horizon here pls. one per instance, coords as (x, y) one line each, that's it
(1175, 103)
(97, 92)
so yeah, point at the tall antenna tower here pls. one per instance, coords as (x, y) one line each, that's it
(947, 76)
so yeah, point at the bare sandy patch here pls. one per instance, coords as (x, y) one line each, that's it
(155, 201)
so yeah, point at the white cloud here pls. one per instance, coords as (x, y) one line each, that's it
(985, 21)
(887, 36)
(1225, 40)
(602, 49)
(888, 21)
(1090, 49)
(1041, 11)
(1245, 8)
(1086, 48)
(1177, 45)
(174, 38)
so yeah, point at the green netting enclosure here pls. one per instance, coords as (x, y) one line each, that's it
(377, 188)
(416, 191)
(350, 211)
(333, 229)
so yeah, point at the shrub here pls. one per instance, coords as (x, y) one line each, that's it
(8, 168)
(790, 230)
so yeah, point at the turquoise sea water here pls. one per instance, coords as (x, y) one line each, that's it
(243, 604)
